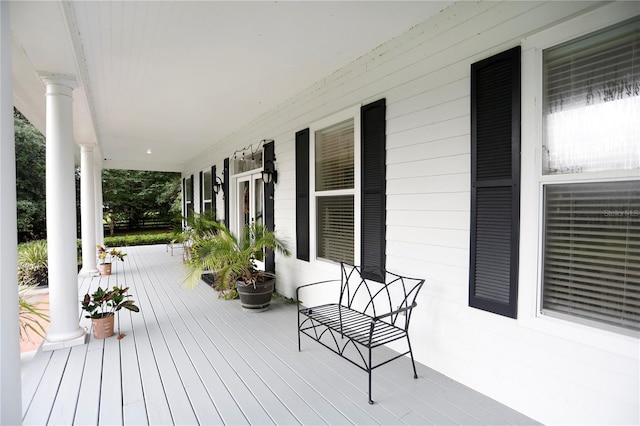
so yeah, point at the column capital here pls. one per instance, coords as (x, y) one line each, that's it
(58, 79)
(88, 147)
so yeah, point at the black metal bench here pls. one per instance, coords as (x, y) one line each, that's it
(368, 314)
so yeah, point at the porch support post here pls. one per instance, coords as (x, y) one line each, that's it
(10, 385)
(97, 182)
(64, 328)
(87, 211)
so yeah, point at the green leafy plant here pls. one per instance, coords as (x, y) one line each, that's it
(103, 303)
(233, 258)
(31, 317)
(105, 253)
(138, 239)
(33, 266)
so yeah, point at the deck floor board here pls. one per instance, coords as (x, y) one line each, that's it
(190, 358)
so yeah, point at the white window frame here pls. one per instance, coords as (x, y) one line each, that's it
(351, 113)
(533, 182)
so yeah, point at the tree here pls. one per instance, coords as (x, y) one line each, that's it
(30, 179)
(133, 196)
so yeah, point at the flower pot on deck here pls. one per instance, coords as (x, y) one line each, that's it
(104, 268)
(258, 296)
(103, 327)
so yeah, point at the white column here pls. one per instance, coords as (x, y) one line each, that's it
(10, 386)
(97, 182)
(87, 211)
(64, 328)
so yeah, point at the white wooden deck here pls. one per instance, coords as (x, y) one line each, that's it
(189, 358)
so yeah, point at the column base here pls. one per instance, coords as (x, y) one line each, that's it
(89, 272)
(80, 339)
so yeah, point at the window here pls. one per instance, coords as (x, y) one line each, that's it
(592, 102)
(591, 195)
(206, 190)
(187, 191)
(334, 192)
(346, 199)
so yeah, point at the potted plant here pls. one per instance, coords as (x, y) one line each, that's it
(234, 259)
(105, 258)
(102, 305)
(195, 225)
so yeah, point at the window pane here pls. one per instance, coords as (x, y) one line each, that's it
(335, 228)
(592, 102)
(206, 185)
(592, 252)
(247, 162)
(334, 157)
(189, 189)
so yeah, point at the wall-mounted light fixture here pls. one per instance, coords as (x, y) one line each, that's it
(217, 185)
(269, 174)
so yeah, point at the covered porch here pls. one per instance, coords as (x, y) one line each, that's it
(190, 358)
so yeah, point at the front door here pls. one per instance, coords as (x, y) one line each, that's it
(250, 208)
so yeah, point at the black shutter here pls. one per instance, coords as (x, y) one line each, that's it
(201, 191)
(374, 200)
(185, 213)
(192, 193)
(495, 183)
(269, 189)
(225, 190)
(302, 194)
(213, 194)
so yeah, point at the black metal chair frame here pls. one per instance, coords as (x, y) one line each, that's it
(368, 314)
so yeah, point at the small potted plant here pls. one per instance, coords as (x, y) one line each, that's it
(101, 307)
(106, 256)
(234, 259)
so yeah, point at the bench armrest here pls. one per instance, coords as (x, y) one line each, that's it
(312, 284)
(397, 311)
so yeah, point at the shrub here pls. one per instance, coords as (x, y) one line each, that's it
(138, 240)
(33, 269)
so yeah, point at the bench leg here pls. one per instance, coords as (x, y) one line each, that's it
(415, 373)
(370, 371)
(298, 327)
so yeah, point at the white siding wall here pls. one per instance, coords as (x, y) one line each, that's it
(554, 371)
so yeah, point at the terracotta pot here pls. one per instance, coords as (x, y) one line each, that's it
(104, 268)
(103, 327)
(256, 297)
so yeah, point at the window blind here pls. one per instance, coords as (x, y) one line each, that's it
(334, 157)
(592, 252)
(592, 101)
(335, 228)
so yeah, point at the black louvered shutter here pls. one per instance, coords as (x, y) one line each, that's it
(269, 220)
(213, 194)
(302, 194)
(201, 190)
(191, 190)
(495, 183)
(225, 190)
(184, 198)
(374, 200)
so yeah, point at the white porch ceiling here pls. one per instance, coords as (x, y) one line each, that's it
(174, 77)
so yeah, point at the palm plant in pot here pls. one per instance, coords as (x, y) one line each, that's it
(234, 259)
(102, 306)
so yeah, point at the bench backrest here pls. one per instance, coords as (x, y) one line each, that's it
(376, 298)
